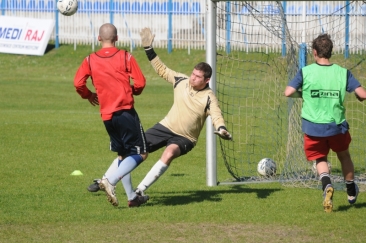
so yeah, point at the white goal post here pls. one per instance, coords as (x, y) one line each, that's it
(211, 151)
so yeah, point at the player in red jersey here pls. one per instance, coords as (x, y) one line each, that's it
(110, 70)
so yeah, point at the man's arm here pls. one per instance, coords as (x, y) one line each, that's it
(213, 109)
(360, 93)
(292, 92)
(139, 80)
(147, 39)
(292, 89)
(353, 85)
(82, 74)
(160, 68)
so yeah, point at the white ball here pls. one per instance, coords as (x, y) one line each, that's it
(266, 167)
(67, 7)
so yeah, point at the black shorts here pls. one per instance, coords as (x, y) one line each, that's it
(159, 136)
(126, 133)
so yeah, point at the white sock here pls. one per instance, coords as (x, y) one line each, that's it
(126, 180)
(112, 168)
(127, 165)
(127, 185)
(153, 175)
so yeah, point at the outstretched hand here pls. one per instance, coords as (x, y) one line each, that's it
(224, 134)
(147, 37)
(93, 99)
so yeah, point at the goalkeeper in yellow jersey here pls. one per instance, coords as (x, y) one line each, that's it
(179, 130)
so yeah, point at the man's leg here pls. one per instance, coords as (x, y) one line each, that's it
(171, 152)
(95, 186)
(153, 175)
(112, 168)
(348, 174)
(328, 190)
(317, 148)
(127, 165)
(134, 200)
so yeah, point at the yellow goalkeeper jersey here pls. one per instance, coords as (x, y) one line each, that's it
(190, 109)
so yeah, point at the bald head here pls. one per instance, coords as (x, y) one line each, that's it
(108, 33)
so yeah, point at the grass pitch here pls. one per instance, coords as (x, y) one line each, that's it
(47, 131)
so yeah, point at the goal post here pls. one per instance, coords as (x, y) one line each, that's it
(211, 145)
(256, 47)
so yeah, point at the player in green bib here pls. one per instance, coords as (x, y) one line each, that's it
(323, 86)
(324, 105)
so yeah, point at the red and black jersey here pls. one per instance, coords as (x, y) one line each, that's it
(110, 70)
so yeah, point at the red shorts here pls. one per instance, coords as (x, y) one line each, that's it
(317, 147)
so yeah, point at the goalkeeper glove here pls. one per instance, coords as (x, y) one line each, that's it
(147, 38)
(224, 134)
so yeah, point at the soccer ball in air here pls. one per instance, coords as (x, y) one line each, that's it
(67, 7)
(266, 167)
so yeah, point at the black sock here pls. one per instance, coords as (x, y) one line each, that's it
(351, 189)
(325, 179)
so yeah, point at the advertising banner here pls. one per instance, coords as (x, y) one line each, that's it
(25, 35)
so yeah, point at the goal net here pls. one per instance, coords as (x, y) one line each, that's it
(260, 46)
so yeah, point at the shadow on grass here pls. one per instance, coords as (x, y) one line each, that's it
(49, 48)
(347, 207)
(186, 197)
